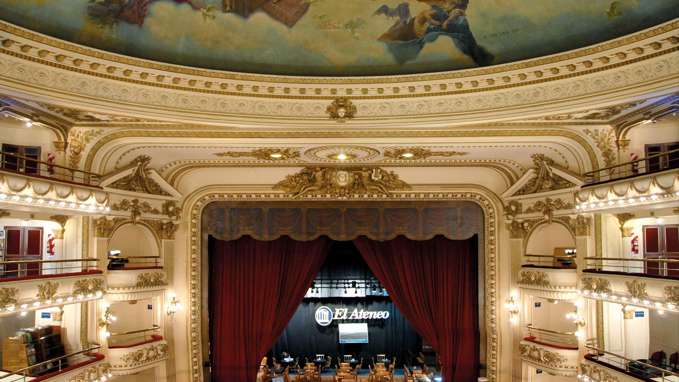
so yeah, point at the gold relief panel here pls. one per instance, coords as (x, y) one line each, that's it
(637, 289)
(8, 296)
(341, 109)
(548, 206)
(150, 280)
(139, 180)
(418, 153)
(672, 294)
(87, 287)
(47, 291)
(534, 278)
(597, 285)
(545, 179)
(542, 356)
(144, 356)
(597, 373)
(267, 154)
(171, 210)
(104, 227)
(136, 208)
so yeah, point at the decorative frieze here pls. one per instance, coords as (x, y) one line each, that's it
(8, 296)
(143, 356)
(545, 179)
(534, 278)
(637, 289)
(597, 373)
(542, 356)
(672, 294)
(548, 206)
(139, 180)
(86, 287)
(150, 280)
(267, 154)
(418, 153)
(341, 109)
(136, 208)
(104, 227)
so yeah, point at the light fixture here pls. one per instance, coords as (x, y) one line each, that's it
(342, 156)
(29, 124)
(513, 308)
(107, 319)
(407, 155)
(276, 155)
(173, 306)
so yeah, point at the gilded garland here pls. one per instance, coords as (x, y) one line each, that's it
(341, 182)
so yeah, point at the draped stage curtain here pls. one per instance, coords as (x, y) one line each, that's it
(434, 284)
(255, 288)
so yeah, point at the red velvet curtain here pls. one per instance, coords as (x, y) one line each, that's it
(255, 288)
(434, 284)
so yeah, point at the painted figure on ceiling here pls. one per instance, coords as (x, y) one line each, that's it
(406, 38)
(109, 12)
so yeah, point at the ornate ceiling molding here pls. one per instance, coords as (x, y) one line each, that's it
(419, 153)
(47, 66)
(266, 154)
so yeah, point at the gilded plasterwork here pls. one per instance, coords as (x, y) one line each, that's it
(104, 227)
(417, 153)
(341, 182)
(637, 289)
(47, 291)
(341, 109)
(542, 356)
(139, 180)
(136, 208)
(534, 278)
(672, 294)
(8, 296)
(605, 142)
(143, 356)
(596, 285)
(267, 154)
(77, 141)
(164, 230)
(87, 287)
(171, 209)
(545, 179)
(602, 114)
(598, 373)
(85, 116)
(548, 206)
(150, 280)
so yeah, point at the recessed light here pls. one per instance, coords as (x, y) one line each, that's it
(276, 155)
(407, 155)
(342, 156)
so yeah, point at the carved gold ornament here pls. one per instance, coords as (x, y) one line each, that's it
(104, 227)
(545, 179)
(548, 206)
(534, 278)
(622, 220)
(150, 280)
(672, 294)
(8, 296)
(171, 210)
(542, 356)
(341, 182)
(601, 114)
(596, 285)
(512, 209)
(598, 374)
(341, 109)
(47, 291)
(144, 356)
(135, 207)
(78, 139)
(4, 213)
(417, 153)
(93, 373)
(87, 287)
(637, 289)
(268, 154)
(139, 180)
(164, 230)
(605, 142)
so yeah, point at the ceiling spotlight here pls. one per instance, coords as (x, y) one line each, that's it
(275, 155)
(407, 155)
(342, 156)
(29, 124)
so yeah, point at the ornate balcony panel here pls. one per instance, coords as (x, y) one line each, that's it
(549, 282)
(134, 359)
(592, 371)
(649, 292)
(37, 193)
(134, 283)
(656, 189)
(550, 359)
(32, 294)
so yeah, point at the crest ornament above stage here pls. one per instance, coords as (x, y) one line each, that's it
(341, 110)
(341, 182)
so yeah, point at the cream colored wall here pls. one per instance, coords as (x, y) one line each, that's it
(133, 315)
(147, 375)
(552, 316)
(664, 332)
(15, 132)
(531, 374)
(665, 130)
(134, 240)
(546, 237)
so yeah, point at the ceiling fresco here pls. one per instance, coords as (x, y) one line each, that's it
(337, 37)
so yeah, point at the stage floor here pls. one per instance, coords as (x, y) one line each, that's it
(328, 376)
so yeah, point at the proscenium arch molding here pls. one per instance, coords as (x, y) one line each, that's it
(490, 131)
(196, 247)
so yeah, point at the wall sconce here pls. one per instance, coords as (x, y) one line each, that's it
(107, 319)
(577, 319)
(173, 306)
(513, 308)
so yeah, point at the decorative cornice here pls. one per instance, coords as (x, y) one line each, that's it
(597, 373)
(88, 286)
(136, 208)
(602, 114)
(545, 179)
(139, 180)
(548, 206)
(266, 154)
(534, 278)
(341, 182)
(47, 291)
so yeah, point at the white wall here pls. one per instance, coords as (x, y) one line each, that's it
(546, 237)
(664, 332)
(552, 316)
(664, 131)
(134, 240)
(15, 132)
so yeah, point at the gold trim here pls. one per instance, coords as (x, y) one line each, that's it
(267, 154)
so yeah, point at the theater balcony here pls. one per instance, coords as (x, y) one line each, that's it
(85, 365)
(50, 287)
(650, 182)
(547, 281)
(134, 351)
(601, 365)
(30, 184)
(551, 351)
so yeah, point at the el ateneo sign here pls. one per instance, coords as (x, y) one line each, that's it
(325, 316)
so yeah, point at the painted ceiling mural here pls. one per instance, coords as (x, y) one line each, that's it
(337, 37)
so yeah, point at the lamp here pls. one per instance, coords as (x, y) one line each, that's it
(513, 308)
(173, 306)
(107, 319)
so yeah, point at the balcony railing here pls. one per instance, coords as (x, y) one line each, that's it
(14, 270)
(563, 340)
(121, 263)
(653, 267)
(641, 369)
(648, 165)
(134, 337)
(550, 261)
(34, 167)
(56, 366)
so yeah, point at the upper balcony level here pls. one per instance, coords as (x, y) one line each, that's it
(28, 183)
(650, 181)
(601, 365)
